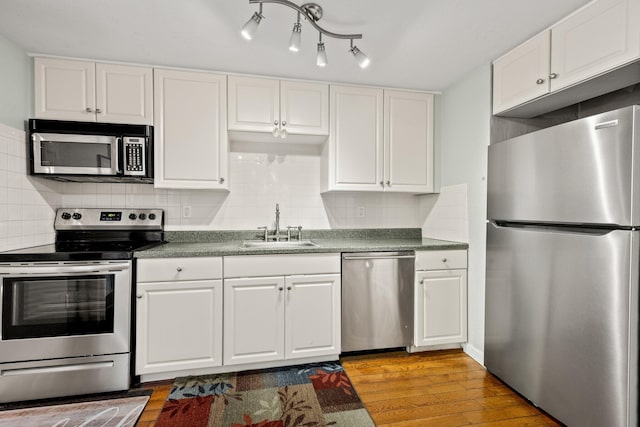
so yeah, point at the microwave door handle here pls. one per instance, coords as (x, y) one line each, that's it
(120, 154)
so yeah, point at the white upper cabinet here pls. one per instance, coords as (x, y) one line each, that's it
(408, 141)
(355, 151)
(602, 36)
(379, 141)
(522, 74)
(191, 148)
(594, 40)
(273, 110)
(86, 91)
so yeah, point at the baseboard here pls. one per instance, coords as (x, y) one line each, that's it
(472, 351)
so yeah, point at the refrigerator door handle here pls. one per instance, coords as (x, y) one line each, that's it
(559, 228)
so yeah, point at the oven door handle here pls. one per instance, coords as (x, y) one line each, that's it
(65, 269)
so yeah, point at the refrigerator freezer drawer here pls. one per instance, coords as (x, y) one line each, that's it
(562, 321)
(581, 172)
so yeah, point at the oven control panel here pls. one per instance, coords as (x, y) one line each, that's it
(112, 219)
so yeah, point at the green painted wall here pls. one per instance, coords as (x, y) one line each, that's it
(16, 88)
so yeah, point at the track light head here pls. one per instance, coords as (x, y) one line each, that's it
(249, 29)
(362, 59)
(296, 36)
(321, 58)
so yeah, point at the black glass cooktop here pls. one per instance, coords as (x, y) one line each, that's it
(71, 251)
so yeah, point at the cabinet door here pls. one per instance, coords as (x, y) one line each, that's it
(253, 320)
(304, 108)
(603, 35)
(522, 74)
(191, 148)
(408, 141)
(178, 326)
(124, 94)
(64, 90)
(254, 104)
(312, 316)
(441, 307)
(355, 139)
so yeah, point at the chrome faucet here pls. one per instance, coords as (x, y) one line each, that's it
(277, 222)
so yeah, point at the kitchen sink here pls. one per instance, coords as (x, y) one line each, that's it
(261, 244)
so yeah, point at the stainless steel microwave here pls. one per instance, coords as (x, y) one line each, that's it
(91, 152)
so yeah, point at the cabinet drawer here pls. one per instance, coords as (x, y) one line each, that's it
(441, 260)
(172, 269)
(280, 265)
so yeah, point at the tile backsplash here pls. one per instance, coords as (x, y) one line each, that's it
(27, 205)
(257, 182)
(446, 214)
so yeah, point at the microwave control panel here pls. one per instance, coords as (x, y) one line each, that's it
(134, 156)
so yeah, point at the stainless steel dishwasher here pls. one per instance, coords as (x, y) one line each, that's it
(377, 300)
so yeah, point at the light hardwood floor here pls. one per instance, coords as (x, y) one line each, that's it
(441, 388)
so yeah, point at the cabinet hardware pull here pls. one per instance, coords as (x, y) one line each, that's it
(289, 288)
(88, 110)
(388, 183)
(221, 180)
(444, 260)
(98, 111)
(284, 123)
(139, 296)
(553, 75)
(382, 183)
(179, 269)
(281, 289)
(275, 122)
(422, 281)
(540, 81)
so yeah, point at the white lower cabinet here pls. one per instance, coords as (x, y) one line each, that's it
(440, 298)
(295, 315)
(178, 314)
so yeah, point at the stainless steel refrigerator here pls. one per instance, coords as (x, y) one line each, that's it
(563, 261)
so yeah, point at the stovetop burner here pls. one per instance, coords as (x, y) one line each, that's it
(96, 234)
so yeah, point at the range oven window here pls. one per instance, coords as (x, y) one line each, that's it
(38, 307)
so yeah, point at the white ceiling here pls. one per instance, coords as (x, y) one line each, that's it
(419, 44)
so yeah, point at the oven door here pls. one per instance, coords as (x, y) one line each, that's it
(55, 153)
(54, 310)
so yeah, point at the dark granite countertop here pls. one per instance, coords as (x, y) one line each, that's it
(225, 243)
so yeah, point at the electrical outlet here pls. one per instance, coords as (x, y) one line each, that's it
(361, 212)
(186, 211)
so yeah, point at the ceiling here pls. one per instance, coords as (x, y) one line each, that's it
(418, 44)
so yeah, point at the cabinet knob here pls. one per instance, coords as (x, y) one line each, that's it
(98, 111)
(422, 281)
(281, 289)
(179, 269)
(388, 183)
(284, 123)
(444, 260)
(382, 183)
(139, 296)
(275, 122)
(540, 81)
(221, 180)
(88, 110)
(289, 288)
(553, 75)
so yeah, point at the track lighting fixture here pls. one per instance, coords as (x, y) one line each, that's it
(249, 29)
(312, 12)
(321, 59)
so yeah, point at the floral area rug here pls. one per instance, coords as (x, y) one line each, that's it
(122, 412)
(295, 396)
